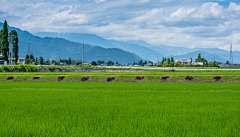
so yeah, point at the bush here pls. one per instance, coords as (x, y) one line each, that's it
(25, 68)
(7, 68)
(1, 69)
(18, 68)
(33, 69)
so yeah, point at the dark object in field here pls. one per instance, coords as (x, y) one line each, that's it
(85, 78)
(110, 79)
(60, 78)
(165, 77)
(10, 78)
(217, 78)
(36, 78)
(189, 78)
(139, 77)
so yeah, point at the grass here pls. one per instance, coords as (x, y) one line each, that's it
(119, 109)
(199, 76)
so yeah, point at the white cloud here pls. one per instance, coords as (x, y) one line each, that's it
(175, 23)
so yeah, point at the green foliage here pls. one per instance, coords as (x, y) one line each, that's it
(27, 59)
(200, 59)
(7, 68)
(4, 42)
(168, 61)
(14, 34)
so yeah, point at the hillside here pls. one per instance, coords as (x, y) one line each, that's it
(52, 48)
(141, 51)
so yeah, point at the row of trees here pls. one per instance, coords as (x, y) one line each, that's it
(4, 43)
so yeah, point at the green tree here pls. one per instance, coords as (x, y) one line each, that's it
(177, 64)
(200, 59)
(14, 34)
(32, 58)
(168, 61)
(172, 60)
(110, 63)
(145, 62)
(4, 44)
(163, 59)
(41, 60)
(140, 63)
(227, 62)
(27, 59)
(69, 61)
(117, 62)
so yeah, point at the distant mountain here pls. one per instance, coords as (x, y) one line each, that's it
(53, 48)
(194, 55)
(142, 52)
(79, 37)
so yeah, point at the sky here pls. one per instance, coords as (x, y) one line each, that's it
(181, 23)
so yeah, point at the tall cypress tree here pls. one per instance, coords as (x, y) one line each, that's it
(1, 41)
(15, 44)
(5, 43)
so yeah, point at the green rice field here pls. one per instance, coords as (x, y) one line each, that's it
(119, 109)
(197, 76)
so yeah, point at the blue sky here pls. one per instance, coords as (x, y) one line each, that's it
(184, 23)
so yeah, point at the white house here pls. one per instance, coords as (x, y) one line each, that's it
(188, 62)
(2, 62)
(185, 61)
(21, 60)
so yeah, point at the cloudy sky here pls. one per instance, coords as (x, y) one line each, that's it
(183, 23)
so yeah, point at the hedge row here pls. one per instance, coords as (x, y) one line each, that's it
(19, 68)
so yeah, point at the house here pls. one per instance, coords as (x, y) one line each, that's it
(197, 63)
(185, 61)
(21, 60)
(155, 64)
(148, 64)
(2, 62)
(223, 65)
(189, 62)
(234, 65)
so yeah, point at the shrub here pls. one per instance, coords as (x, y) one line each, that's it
(25, 68)
(33, 69)
(7, 68)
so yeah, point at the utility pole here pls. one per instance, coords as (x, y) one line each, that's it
(123, 60)
(157, 58)
(28, 49)
(82, 54)
(231, 55)
(10, 49)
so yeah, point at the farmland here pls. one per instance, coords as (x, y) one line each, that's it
(177, 76)
(119, 109)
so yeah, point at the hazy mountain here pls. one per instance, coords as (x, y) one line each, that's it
(142, 52)
(79, 37)
(194, 55)
(52, 48)
(92, 39)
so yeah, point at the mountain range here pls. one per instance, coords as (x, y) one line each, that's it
(52, 45)
(55, 48)
(145, 50)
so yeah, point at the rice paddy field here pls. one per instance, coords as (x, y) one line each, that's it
(119, 108)
(178, 76)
